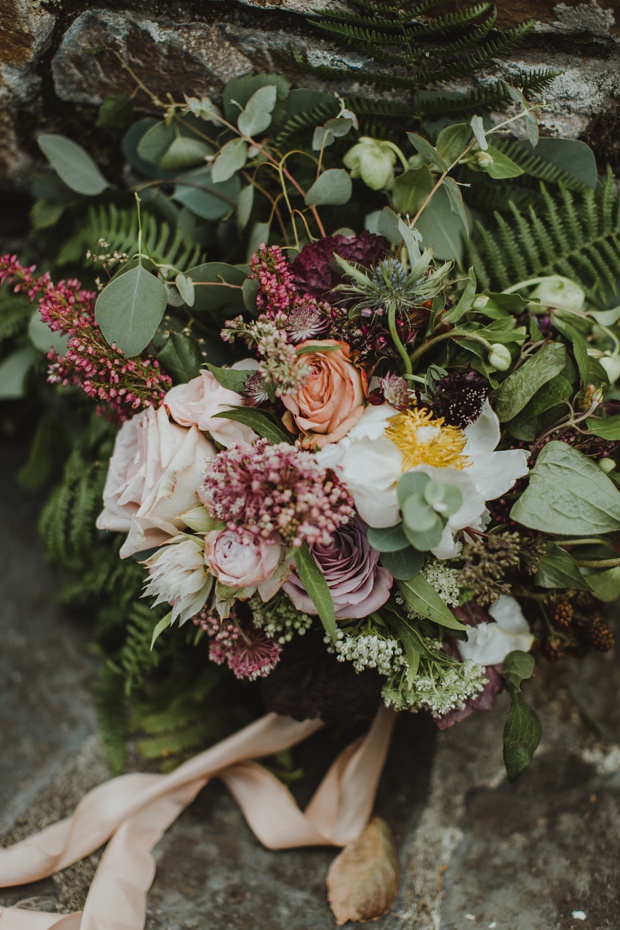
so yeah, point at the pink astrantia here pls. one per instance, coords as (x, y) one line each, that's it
(248, 652)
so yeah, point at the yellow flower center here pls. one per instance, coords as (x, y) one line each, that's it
(426, 440)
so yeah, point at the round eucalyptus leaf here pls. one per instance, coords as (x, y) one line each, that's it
(412, 482)
(428, 539)
(417, 515)
(130, 308)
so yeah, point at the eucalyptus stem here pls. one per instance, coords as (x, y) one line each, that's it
(585, 541)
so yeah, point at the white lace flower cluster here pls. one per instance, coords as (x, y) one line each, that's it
(444, 579)
(439, 687)
(279, 618)
(368, 650)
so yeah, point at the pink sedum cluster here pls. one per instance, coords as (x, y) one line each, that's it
(248, 652)
(276, 489)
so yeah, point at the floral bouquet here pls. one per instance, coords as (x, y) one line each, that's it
(382, 483)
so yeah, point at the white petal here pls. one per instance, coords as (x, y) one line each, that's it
(484, 434)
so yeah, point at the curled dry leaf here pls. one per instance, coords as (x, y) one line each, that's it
(362, 882)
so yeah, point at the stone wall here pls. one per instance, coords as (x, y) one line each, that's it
(58, 61)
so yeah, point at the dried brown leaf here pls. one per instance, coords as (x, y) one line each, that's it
(362, 882)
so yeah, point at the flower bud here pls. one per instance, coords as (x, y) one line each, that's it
(561, 293)
(373, 161)
(483, 159)
(480, 302)
(606, 465)
(500, 357)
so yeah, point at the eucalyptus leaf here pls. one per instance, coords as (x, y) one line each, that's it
(477, 127)
(452, 141)
(186, 289)
(316, 586)
(245, 203)
(217, 287)
(427, 537)
(580, 346)
(404, 564)
(260, 422)
(130, 308)
(332, 187)
(181, 357)
(205, 198)
(519, 387)
(501, 167)
(72, 164)
(568, 495)
(388, 539)
(455, 198)
(424, 600)
(411, 188)
(155, 142)
(428, 152)
(465, 302)
(43, 338)
(14, 372)
(256, 117)
(231, 158)
(438, 229)
(184, 152)
(412, 482)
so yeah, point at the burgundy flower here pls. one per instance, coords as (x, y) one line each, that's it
(357, 583)
(312, 267)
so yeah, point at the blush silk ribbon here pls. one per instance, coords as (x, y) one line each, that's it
(133, 812)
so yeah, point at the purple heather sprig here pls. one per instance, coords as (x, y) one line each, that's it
(121, 385)
(276, 489)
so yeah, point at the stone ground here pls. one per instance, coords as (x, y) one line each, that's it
(543, 854)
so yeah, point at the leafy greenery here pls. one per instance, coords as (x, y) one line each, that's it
(413, 45)
(576, 235)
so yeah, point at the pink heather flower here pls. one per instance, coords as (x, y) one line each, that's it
(248, 652)
(276, 489)
(276, 282)
(120, 385)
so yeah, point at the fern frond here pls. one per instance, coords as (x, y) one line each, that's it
(118, 226)
(307, 120)
(15, 313)
(577, 236)
(112, 716)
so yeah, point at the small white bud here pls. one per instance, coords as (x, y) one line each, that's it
(500, 357)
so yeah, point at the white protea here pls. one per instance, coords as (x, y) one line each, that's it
(179, 577)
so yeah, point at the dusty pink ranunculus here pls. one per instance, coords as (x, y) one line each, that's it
(197, 402)
(330, 400)
(242, 561)
(357, 583)
(154, 473)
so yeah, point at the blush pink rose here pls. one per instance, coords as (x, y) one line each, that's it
(197, 402)
(154, 472)
(243, 561)
(330, 400)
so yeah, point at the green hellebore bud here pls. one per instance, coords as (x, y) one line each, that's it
(483, 159)
(373, 162)
(561, 293)
(480, 302)
(606, 465)
(500, 357)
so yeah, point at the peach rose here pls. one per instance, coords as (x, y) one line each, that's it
(197, 402)
(154, 472)
(330, 400)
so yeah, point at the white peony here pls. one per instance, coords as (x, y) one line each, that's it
(179, 577)
(490, 643)
(370, 465)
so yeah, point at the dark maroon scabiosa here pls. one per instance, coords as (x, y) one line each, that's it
(459, 396)
(357, 583)
(313, 269)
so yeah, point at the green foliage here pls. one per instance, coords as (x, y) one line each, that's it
(15, 313)
(576, 235)
(415, 45)
(118, 226)
(111, 709)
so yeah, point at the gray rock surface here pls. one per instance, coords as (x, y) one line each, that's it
(474, 850)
